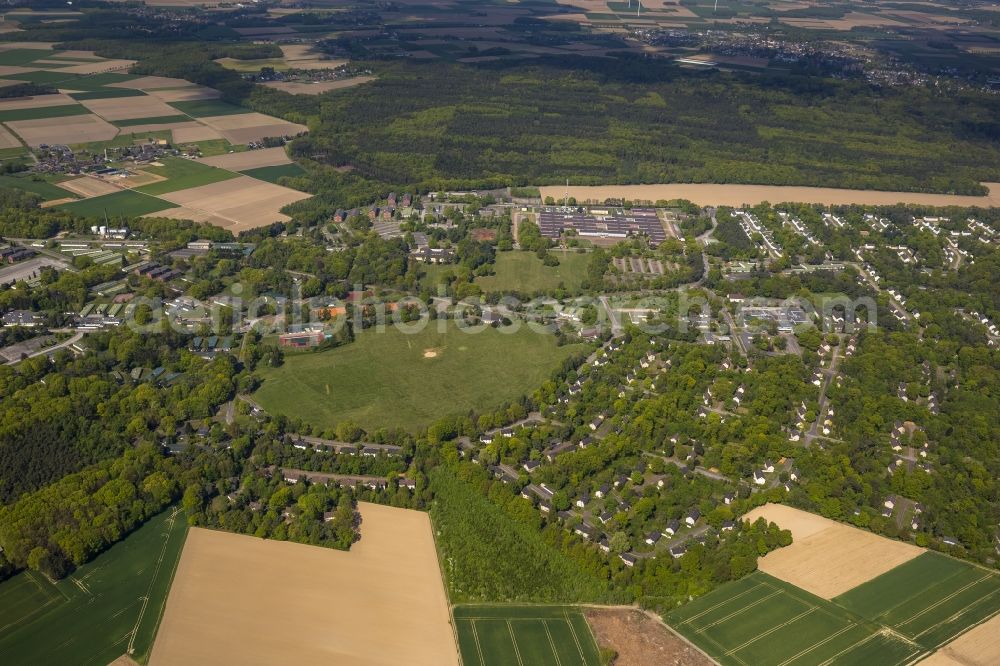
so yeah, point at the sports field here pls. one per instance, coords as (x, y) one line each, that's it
(107, 608)
(524, 272)
(389, 378)
(524, 636)
(929, 600)
(763, 621)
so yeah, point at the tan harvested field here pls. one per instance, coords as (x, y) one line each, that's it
(139, 178)
(979, 647)
(56, 202)
(849, 22)
(711, 194)
(11, 70)
(189, 94)
(244, 202)
(319, 87)
(827, 558)
(70, 130)
(127, 108)
(88, 187)
(250, 159)
(241, 600)
(6, 82)
(98, 67)
(302, 56)
(36, 102)
(192, 134)
(161, 127)
(242, 128)
(8, 140)
(152, 83)
(41, 46)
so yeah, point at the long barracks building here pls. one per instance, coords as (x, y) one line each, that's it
(601, 223)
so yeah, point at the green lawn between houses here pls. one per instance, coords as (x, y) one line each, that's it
(385, 379)
(93, 616)
(511, 635)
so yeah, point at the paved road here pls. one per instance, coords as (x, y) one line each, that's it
(828, 375)
(76, 337)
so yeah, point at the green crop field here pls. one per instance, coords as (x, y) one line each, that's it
(43, 188)
(22, 57)
(524, 272)
(524, 636)
(763, 621)
(207, 108)
(930, 599)
(106, 608)
(273, 174)
(127, 202)
(44, 112)
(182, 174)
(384, 378)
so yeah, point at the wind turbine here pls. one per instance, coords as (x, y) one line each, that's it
(638, 7)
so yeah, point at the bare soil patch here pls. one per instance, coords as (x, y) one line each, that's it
(126, 108)
(8, 140)
(36, 102)
(242, 128)
(244, 202)
(641, 640)
(237, 599)
(297, 88)
(190, 94)
(98, 67)
(152, 83)
(11, 70)
(978, 647)
(828, 558)
(70, 130)
(88, 187)
(251, 159)
(712, 194)
(196, 132)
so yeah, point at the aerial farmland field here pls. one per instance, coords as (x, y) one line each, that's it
(238, 599)
(524, 636)
(108, 607)
(394, 379)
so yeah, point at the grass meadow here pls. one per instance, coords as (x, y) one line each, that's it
(524, 636)
(524, 272)
(390, 378)
(103, 610)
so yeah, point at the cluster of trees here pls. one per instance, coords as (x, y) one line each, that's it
(68, 522)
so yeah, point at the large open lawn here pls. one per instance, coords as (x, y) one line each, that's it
(524, 272)
(524, 636)
(43, 188)
(107, 608)
(390, 378)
